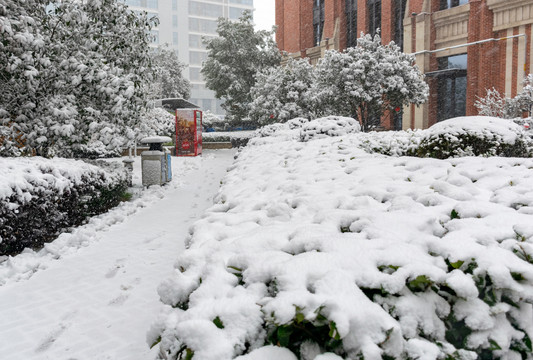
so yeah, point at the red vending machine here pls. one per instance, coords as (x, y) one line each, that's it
(188, 132)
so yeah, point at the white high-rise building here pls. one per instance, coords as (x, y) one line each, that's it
(182, 23)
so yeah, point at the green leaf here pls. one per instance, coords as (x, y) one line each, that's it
(300, 318)
(457, 264)
(420, 283)
(218, 323)
(284, 335)
(158, 340)
(494, 345)
(189, 355)
(517, 276)
(333, 332)
(454, 215)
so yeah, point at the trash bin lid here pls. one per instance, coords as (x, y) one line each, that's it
(156, 139)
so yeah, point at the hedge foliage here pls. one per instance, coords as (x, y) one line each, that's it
(49, 203)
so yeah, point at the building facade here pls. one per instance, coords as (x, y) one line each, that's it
(182, 24)
(463, 47)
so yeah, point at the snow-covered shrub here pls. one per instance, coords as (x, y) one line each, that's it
(391, 143)
(226, 136)
(475, 136)
(93, 150)
(320, 247)
(329, 126)
(40, 198)
(210, 120)
(497, 105)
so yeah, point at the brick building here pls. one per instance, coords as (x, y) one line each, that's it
(464, 47)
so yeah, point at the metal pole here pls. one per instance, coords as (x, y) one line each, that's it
(469, 44)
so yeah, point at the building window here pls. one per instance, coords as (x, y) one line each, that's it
(451, 87)
(374, 16)
(175, 38)
(152, 4)
(203, 25)
(195, 74)
(175, 20)
(201, 9)
(447, 4)
(351, 23)
(174, 5)
(399, 14)
(235, 13)
(243, 2)
(197, 57)
(318, 20)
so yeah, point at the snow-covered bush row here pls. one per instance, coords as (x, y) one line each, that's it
(237, 138)
(226, 136)
(39, 198)
(329, 126)
(321, 247)
(475, 136)
(391, 143)
(463, 136)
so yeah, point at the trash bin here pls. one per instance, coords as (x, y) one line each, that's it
(156, 161)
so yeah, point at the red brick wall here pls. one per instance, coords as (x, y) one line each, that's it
(486, 62)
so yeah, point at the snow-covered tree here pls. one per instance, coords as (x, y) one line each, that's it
(74, 72)
(156, 122)
(497, 105)
(234, 58)
(281, 93)
(168, 80)
(367, 80)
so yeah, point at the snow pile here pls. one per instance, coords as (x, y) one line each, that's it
(329, 126)
(40, 197)
(324, 249)
(475, 136)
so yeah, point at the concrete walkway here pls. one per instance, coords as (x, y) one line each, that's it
(99, 302)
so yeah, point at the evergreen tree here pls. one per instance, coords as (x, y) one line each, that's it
(366, 81)
(168, 80)
(234, 58)
(282, 93)
(75, 72)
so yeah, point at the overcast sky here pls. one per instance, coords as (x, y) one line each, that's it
(264, 14)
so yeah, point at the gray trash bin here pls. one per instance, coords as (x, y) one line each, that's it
(156, 162)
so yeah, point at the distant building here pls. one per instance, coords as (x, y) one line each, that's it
(445, 35)
(182, 23)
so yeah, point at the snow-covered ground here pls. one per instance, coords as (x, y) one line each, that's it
(91, 294)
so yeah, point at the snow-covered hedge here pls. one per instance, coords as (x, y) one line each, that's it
(40, 198)
(474, 136)
(237, 138)
(329, 126)
(320, 247)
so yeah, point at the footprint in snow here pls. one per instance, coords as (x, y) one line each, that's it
(119, 263)
(119, 300)
(56, 332)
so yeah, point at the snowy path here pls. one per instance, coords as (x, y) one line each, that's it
(98, 302)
